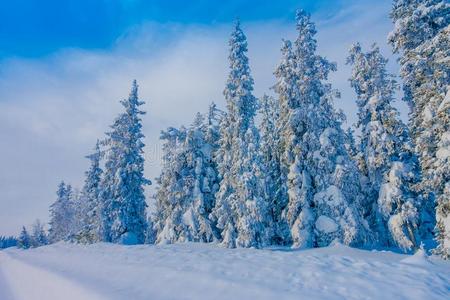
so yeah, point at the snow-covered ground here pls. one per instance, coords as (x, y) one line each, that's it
(201, 271)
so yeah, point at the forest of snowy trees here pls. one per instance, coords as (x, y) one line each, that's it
(281, 169)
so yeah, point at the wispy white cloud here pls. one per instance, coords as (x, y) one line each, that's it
(52, 110)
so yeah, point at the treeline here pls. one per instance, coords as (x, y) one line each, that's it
(296, 178)
(7, 241)
(36, 238)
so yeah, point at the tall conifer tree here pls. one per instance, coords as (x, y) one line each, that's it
(323, 197)
(421, 35)
(386, 155)
(241, 208)
(124, 206)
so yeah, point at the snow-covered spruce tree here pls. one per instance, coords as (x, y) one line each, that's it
(39, 237)
(322, 180)
(421, 36)
(416, 24)
(90, 208)
(386, 155)
(200, 146)
(289, 133)
(24, 241)
(122, 188)
(174, 188)
(78, 206)
(188, 183)
(167, 215)
(61, 215)
(173, 185)
(275, 181)
(166, 183)
(241, 211)
(441, 178)
(107, 193)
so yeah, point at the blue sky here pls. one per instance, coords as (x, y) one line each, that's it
(33, 28)
(65, 66)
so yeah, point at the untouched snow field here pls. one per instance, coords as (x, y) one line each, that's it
(201, 271)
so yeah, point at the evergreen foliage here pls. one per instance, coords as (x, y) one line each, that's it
(24, 241)
(421, 36)
(61, 214)
(241, 211)
(39, 236)
(386, 157)
(323, 190)
(90, 209)
(292, 175)
(124, 217)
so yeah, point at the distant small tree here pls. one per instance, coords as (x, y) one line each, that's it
(39, 237)
(90, 206)
(61, 214)
(24, 240)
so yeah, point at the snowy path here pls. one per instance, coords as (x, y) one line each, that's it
(20, 280)
(199, 271)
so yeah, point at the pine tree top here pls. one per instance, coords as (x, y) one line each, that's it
(241, 103)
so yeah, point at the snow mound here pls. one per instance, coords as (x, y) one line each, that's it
(419, 258)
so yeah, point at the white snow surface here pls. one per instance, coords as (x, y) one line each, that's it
(326, 224)
(205, 271)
